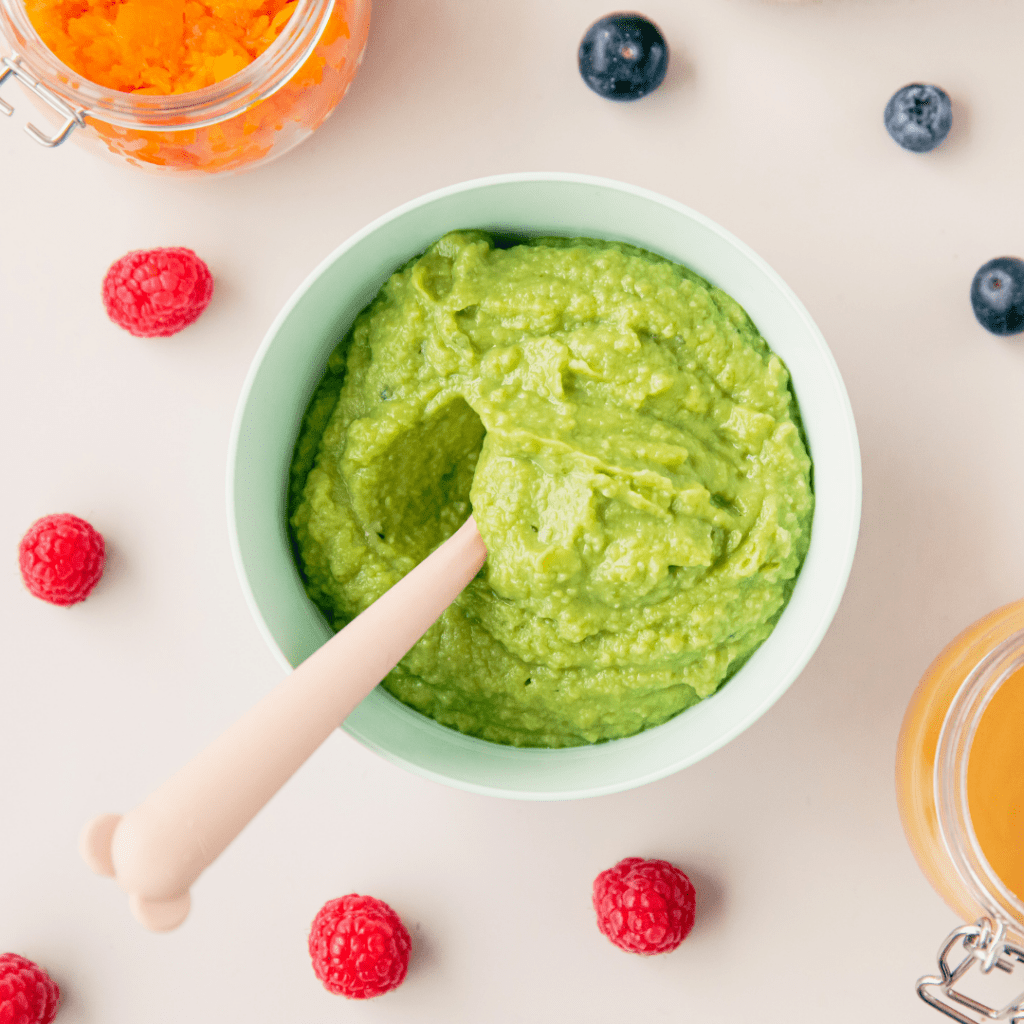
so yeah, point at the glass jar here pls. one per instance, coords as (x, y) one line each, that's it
(934, 749)
(249, 118)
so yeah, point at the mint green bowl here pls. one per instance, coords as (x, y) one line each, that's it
(291, 361)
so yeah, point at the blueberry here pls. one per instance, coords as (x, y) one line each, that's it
(919, 117)
(997, 295)
(623, 57)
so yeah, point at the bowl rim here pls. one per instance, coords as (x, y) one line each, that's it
(827, 610)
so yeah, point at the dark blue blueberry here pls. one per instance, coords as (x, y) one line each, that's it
(919, 117)
(623, 57)
(997, 295)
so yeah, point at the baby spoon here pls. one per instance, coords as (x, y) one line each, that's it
(156, 851)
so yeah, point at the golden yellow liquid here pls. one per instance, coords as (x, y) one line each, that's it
(915, 759)
(995, 783)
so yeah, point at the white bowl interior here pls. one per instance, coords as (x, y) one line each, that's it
(291, 362)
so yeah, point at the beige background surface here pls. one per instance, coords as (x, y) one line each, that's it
(811, 907)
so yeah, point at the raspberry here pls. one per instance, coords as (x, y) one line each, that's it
(153, 293)
(61, 559)
(359, 946)
(27, 993)
(644, 906)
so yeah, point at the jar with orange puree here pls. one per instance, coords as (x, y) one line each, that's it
(188, 87)
(960, 788)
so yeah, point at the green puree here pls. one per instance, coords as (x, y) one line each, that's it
(630, 448)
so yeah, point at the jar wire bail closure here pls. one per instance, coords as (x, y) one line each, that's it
(74, 117)
(986, 946)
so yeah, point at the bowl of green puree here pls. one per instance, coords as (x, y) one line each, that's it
(650, 431)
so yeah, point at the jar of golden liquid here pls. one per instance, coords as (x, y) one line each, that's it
(960, 788)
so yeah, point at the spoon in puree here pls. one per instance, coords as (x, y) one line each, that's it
(156, 851)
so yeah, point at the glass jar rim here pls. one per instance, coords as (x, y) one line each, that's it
(950, 781)
(181, 111)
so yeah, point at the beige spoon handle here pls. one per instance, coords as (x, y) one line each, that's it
(160, 848)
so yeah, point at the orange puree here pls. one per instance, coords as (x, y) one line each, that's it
(995, 783)
(158, 47)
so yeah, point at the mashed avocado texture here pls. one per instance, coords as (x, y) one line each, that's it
(630, 448)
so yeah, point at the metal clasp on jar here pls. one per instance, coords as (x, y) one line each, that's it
(74, 117)
(987, 947)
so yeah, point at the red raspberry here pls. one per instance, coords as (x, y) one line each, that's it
(153, 293)
(359, 946)
(61, 559)
(27, 993)
(644, 906)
